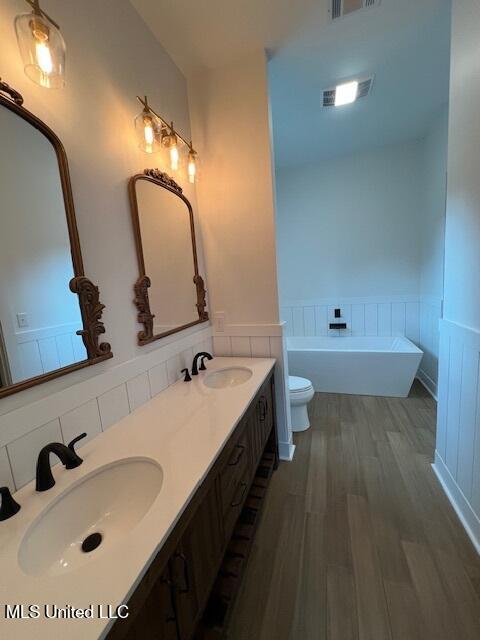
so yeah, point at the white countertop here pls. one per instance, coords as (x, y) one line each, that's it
(183, 429)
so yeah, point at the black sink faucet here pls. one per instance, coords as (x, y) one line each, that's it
(67, 455)
(203, 355)
(9, 506)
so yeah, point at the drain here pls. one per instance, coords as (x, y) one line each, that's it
(91, 542)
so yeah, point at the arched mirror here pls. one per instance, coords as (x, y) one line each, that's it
(169, 293)
(50, 313)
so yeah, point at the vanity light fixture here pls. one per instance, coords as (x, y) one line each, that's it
(42, 47)
(155, 132)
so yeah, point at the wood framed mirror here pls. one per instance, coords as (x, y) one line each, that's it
(50, 312)
(169, 293)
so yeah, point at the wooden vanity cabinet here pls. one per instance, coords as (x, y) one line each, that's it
(171, 599)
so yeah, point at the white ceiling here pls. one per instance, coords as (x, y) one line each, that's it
(404, 43)
(209, 33)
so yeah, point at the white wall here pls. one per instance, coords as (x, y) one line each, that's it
(432, 247)
(365, 233)
(111, 57)
(349, 227)
(231, 126)
(458, 433)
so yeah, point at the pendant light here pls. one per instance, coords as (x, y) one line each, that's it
(42, 47)
(170, 142)
(146, 127)
(192, 165)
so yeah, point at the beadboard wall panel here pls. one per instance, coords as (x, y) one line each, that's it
(457, 459)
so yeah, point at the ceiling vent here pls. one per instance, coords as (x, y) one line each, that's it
(340, 8)
(364, 88)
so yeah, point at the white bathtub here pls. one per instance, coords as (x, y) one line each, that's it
(362, 366)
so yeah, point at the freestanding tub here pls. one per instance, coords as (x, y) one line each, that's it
(362, 366)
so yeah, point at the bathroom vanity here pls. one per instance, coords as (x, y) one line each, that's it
(175, 491)
(198, 570)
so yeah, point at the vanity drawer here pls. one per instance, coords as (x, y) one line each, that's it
(236, 503)
(234, 469)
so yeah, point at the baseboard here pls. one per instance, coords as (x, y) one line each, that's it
(463, 509)
(286, 451)
(429, 384)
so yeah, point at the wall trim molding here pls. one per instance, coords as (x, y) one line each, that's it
(286, 451)
(335, 301)
(459, 502)
(471, 335)
(429, 384)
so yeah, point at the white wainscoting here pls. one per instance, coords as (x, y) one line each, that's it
(92, 405)
(457, 459)
(431, 311)
(263, 341)
(47, 349)
(379, 316)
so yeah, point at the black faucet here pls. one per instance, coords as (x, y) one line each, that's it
(204, 356)
(187, 377)
(67, 455)
(9, 506)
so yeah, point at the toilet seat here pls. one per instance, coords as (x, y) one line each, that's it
(298, 385)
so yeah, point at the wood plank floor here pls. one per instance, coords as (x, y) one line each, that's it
(358, 541)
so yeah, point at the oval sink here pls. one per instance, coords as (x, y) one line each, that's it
(90, 516)
(228, 377)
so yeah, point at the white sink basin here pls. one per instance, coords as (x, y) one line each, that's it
(104, 505)
(228, 377)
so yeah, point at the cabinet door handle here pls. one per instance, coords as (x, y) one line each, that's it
(236, 503)
(263, 409)
(170, 617)
(186, 577)
(241, 448)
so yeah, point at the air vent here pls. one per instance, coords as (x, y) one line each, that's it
(364, 88)
(341, 8)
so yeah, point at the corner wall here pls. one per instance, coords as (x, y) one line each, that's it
(457, 461)
(231, 126)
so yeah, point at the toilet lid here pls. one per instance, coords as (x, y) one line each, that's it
(296, 384)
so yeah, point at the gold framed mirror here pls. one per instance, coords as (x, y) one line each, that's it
(50, 313)
(169, 292)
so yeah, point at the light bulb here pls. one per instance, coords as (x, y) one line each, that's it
(146, 126)
(174, 157)
(148, 134)
(44, 57)
(192, 166)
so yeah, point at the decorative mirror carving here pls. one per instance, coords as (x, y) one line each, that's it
(50, 312)
(169, 293)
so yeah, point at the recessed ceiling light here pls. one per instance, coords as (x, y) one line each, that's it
(346, 93)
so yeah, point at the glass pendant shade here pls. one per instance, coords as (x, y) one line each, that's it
(146, 128)
(170, 142)
(42, 48)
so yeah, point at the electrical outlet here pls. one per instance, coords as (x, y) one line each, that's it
(22, 320)
(219, 321)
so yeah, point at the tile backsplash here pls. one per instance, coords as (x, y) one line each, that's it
(93, 405)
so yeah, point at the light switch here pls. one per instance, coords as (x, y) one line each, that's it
(22, 320)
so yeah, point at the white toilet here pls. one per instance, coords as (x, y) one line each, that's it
(301, 392)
